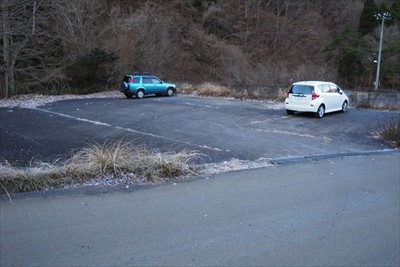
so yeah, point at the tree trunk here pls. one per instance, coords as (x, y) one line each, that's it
(6, 48)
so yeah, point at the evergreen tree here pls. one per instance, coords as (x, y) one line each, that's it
(348, 50)
(395, 10)
(92, 71)
(367, 19)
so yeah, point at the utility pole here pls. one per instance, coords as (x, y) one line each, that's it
(381, 16)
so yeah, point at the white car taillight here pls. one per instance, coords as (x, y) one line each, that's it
(314, 96)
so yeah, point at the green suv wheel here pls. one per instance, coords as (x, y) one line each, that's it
(140, 94)
(170, 92)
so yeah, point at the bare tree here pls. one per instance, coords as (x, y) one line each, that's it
(80, 25)
(8, 75)
(18, 18)
(144, 38)
(30, 49)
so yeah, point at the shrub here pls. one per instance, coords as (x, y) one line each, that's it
(390, 132)
(91, 71)
(33, 178)
(210, 89)
(187, 88)
(100, 159)
(239, 92)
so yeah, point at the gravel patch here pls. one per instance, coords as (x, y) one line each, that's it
(111, 180)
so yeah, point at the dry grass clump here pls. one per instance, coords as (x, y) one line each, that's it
(187, 88)
(100, 159)
(210, 89)
(390, 132)
(33, 178)
(156, 166)
(112, 159)
(238, 92)
(215, 90)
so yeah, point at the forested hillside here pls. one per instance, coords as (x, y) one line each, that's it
(81, 46)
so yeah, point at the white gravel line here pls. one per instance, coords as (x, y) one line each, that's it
(35, 100)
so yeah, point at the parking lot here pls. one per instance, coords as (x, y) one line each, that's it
(221, 129)
(341, 212)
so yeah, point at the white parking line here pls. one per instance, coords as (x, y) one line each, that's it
(267, 120)
(24, 137)
(295, 134)
(130, 130)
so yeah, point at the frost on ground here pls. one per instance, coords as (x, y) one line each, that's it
(33, 101)
(235, 165)
(205, 170)
(36, 100)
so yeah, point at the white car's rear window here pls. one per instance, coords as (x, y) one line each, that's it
(302, 89)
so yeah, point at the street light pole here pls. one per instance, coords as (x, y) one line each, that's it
(385, 15)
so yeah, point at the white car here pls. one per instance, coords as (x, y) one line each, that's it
(317, 97)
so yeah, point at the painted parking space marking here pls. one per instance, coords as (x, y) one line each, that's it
(129, 130)
(295, 134)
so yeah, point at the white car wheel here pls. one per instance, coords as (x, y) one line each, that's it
(345, 106)
(320, 112)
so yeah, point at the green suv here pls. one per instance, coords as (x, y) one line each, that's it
(145, 84)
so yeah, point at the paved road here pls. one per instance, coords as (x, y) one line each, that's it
(221, 129)
(336, 212)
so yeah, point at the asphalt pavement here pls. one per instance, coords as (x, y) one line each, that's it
(339, 211)
(221, 129)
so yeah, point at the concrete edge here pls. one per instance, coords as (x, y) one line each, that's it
(319, 157)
